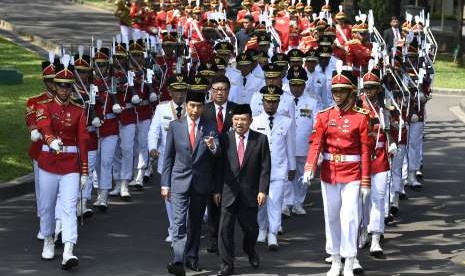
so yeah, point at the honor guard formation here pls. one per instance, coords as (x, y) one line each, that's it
(237, 108)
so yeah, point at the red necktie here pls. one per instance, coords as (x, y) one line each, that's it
(219, 119)
(240, 150)
(192, 135)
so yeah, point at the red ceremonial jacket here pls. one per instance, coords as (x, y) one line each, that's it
(340, 132)
(144, 109)
(378, 145)
(66, 121)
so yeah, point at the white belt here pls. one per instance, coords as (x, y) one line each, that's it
(69, 149)
(144, 103)
(380, 145)
(110, 116)
(341, 157)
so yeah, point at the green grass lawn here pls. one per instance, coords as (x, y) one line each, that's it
(448, 74)
(14, 138)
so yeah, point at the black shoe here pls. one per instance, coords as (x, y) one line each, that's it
(394, 210)
(403, 196)
(193, 265)
(419, 175)
(88, 213)
(69, 264)
(226, 270)
(176, 269)
(376, 254)
(273, 247)
(254, 260)
(146, 179)
(212, 248)
(416, 188)
(389, 219)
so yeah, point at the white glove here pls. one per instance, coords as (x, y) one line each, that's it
(365, 192)
(308, 176)
(96, 122)
(135, 99)
(83, 182)
(176, 13)
(153, 97)
(35, 135)
(392, 148)
(56, 145)
(116, 108)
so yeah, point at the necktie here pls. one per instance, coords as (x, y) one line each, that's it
(240, 150)
(178, 112)
(296, 100)
(271, 121)
(219, 119)
(192, 135)
(244, 81)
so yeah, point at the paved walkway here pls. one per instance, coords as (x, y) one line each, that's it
(60, 21)
(427, 239)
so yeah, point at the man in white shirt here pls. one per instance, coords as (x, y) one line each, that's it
(306, 109)
(243, 86)
(280, 132)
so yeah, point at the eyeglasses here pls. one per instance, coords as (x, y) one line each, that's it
(219, 89)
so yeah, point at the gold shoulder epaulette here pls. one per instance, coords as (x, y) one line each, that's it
(45, 101)
(360, 110)
(326, 109)
(73, 102)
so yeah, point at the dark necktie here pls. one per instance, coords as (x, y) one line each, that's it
(219, 119)
(244, 81)
(271, 118)
(296, 100)
(241, 150)
(178, 112)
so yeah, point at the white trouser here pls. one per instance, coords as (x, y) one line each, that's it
(270, 214)
(35, 167)
(126, 31)
(415, 144)
(300, 189)
(126, 146)
(288, 198)
(68, 187)
(375, 215)
(142, 149)
(341, 203)
(169, 213)
(104, 169)
(92, 158)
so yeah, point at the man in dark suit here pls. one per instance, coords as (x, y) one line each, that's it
(188, 178)
(242, 187)
(392, 33)
(218, 111)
